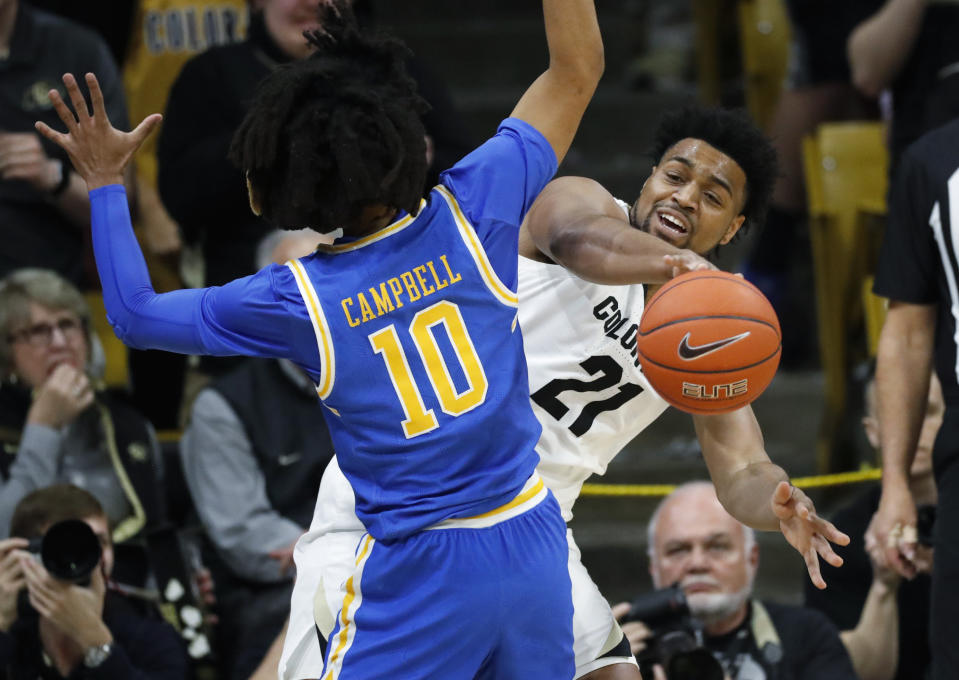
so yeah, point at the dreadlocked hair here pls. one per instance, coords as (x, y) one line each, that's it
(732, 132)
(338, 131)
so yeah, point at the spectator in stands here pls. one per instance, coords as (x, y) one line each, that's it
(44, 207)
(72, 630)
(818, 89)
(694, 542)
(56, 426)
(203, 191)
(253, 457)
(885, 620)
(908, 47)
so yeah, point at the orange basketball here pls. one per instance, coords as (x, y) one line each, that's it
(709, 342)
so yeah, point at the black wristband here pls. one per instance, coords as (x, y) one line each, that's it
(64, 182)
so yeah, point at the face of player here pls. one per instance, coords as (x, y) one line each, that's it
(693, 199)
(52, 337)
(285, 22)
(703, 548)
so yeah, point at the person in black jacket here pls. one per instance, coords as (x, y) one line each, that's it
(56, 629)
(203, 191)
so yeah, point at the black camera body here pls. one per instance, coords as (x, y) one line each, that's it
(677, 638)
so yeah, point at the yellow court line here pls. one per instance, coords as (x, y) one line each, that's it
(665, 489)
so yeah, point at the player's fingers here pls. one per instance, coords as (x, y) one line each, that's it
(812, 566)
(782, 493)
(145, 128)
(51, 134)
(63, 111)
(76, 97)
(830, 532)
(782, 504)
(826, 552)
(96, 97)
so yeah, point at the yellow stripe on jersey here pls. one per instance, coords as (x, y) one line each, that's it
(497, 287)
(519, 500)
(352, 601)
(389, 230)
(324, 341)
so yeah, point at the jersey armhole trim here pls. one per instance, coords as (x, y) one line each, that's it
(499, 290)
(324, 340)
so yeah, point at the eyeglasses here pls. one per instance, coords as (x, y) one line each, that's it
(41, 334)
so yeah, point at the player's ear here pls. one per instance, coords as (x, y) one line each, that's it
(731, 230)
(256, 202)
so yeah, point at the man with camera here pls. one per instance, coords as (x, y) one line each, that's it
(57, 618)
(704, 562)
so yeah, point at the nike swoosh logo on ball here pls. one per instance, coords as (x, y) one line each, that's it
(690, 352)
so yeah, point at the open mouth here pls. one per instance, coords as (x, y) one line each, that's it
(671, 227)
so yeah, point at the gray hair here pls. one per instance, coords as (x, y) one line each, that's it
(749, 534)
(23, 287)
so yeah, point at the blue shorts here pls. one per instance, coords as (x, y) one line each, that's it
(485, 597)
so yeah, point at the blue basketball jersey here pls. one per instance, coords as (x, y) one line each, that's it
(410, 334)
(422, 370)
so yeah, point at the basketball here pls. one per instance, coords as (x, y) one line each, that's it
(709, 342)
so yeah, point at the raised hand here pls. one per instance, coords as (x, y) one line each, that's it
(64, 395)
(808, 533)
(98, 150)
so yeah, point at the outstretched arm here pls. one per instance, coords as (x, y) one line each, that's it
(555, 102)
(757, 492)
(576, 223)
(243, 317)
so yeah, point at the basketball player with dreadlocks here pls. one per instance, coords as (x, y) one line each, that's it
(588, 263)
(406, 324)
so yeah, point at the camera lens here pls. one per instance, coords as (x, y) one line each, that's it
(70, 551)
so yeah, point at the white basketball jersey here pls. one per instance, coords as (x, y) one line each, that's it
(586, 386)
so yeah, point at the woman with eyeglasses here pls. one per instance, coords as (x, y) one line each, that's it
(55, 425)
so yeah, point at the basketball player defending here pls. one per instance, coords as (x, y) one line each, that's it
(588, 265)
(407, 325)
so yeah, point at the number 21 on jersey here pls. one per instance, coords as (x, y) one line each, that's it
(444, 317)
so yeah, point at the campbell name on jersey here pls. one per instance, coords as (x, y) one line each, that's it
(586, 385)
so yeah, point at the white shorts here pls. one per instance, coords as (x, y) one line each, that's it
(324, 559)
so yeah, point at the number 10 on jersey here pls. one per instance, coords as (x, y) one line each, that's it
(386, 342)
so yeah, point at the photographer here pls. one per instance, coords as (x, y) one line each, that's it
(695, 543)
(52, 628)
